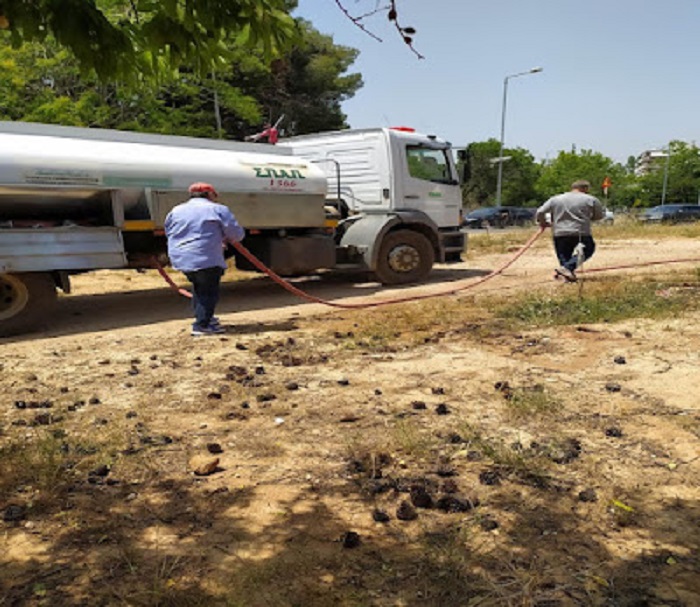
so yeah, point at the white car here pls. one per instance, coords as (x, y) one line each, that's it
(609, 217)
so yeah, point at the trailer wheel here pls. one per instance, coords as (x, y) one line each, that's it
(25, 302)
(404, 256)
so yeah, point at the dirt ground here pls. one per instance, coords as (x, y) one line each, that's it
(291, 463)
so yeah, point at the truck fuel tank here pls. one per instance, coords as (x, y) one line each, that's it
(49, 166)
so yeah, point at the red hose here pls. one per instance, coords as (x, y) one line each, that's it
(296, 291)
(299, 293)
(638, 265)
(166, 276)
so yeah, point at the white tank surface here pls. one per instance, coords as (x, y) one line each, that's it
(59, 157)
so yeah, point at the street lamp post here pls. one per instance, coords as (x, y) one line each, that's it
(664, 187)
(499, 184)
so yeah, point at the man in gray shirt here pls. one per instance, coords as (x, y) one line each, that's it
(571, 214)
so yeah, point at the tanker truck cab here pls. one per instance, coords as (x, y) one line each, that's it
(397, 195)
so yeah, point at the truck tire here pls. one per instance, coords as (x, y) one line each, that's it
(404, 256)
(26, 301)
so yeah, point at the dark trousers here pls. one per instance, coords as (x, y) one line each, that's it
(564, 247)
(205, 296)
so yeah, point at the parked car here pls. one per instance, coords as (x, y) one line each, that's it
(671, 213)
(499, 217)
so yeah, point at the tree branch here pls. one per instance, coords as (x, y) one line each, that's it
(405, 32)
(135, 9)
(391, 11)
(358, 20)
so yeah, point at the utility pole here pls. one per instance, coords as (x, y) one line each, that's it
(499, 182)
(665, 185)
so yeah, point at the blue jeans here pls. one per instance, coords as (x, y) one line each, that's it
(205, 296)
(564, 247)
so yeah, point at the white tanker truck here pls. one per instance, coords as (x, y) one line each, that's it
(74, 200)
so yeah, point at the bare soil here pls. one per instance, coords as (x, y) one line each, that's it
(290, 463)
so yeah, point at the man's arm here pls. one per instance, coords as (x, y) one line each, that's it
(167, 224)
(233, 232)
(541, 214)
(598, 211)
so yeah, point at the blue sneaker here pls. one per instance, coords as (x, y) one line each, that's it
(210, 330)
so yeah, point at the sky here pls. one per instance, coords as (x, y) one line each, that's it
(619, 76)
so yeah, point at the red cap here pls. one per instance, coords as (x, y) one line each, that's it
(202, 188)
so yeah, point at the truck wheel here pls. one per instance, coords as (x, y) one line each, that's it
(25, 302)
(404, 256)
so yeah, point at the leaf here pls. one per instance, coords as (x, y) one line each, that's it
(117, 41)
(622, 506)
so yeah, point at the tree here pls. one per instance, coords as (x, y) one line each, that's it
(125, 38)
(130, 38)
(682, 180)
(520, 173)
(567, 167)
(42, 82)
(307, 86)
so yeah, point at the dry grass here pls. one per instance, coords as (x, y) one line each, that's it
(629, 227)
(532, 401)
(401, 326)
(602, 300)
(265, 531)
(46, 462)
(606, 300)
(626, 227)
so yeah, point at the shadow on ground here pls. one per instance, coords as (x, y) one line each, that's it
(104, 312)
(185, 542)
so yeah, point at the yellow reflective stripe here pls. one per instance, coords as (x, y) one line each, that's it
(139, 225)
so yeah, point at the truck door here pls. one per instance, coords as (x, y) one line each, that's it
(429, 183)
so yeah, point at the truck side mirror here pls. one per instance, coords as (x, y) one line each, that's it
(465, 172)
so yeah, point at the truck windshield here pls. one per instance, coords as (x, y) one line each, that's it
(428, 164)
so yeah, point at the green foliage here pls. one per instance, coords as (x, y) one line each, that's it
(307, 86)
(520, 172)
(128, 38)
(43, 82)
(683, 180)
(567, 167)
(525, 181)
